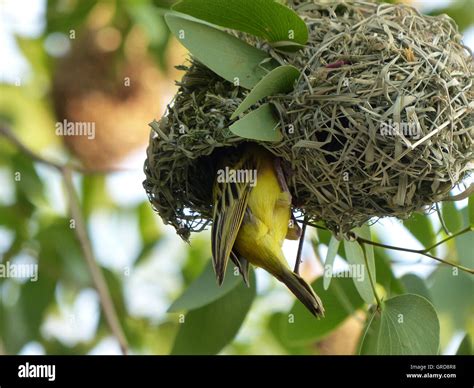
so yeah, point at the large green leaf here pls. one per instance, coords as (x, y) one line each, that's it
(205, 290)
(279, 80)
(340, 301)
(452, 292)
(355, 257)
(209, 329)
(463, 243)
(329, 262)
(451, 216)
(407, 325)
(275, 326)
(260, 124)
(263, 18)
(420, 226)
(416, 285)
(226, 55)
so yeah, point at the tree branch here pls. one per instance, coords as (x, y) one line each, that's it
(81, 234)
(422, 252)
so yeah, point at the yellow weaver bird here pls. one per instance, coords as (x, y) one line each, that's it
(251, 220)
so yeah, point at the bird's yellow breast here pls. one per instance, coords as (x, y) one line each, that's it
(261, 235)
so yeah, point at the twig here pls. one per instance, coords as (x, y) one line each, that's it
(300, 249)
(423, 252)
(371, 279)
(81, 234)
(304, 222)
(8, 134)
(441, 220)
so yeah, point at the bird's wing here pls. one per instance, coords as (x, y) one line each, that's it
(242, 264)
(230, 203)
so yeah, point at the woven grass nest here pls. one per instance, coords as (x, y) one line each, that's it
(367, 69)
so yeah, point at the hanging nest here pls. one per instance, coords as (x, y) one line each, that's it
(89, 87)
(379, 124)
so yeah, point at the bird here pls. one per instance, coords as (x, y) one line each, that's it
(251, 220)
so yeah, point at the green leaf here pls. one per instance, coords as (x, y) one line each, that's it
(471, 210)
(407, 325)
(226, 55)
(260, 124)
(420, 226)
(275, 325)
(463, 243)
(204, 290)
(451, 216)
(416, 285)
(452, 291)
(264, 18)
(385, 276)
(340, 301)
(355, 258)
(465, 347)
(329, 262)
(279, 80)
(209, 329)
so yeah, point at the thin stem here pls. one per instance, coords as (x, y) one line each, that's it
(96, 273)
(423, 252)
(81, 234)
(8, 134)
(371, 279)
(450, 237)
(441, 220)
(300, 249)
(419, 252)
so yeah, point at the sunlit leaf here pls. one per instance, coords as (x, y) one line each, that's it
(407, 325)
(355, 257)
(329, 262)
(260, 124)
(226, 55)
(207, 330)
(263, 18)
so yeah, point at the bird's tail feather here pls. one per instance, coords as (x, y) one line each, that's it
(304, 292)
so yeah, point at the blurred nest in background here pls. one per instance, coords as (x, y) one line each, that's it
(97, 83)
(379, 124)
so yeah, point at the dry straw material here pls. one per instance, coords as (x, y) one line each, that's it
(380, 123)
